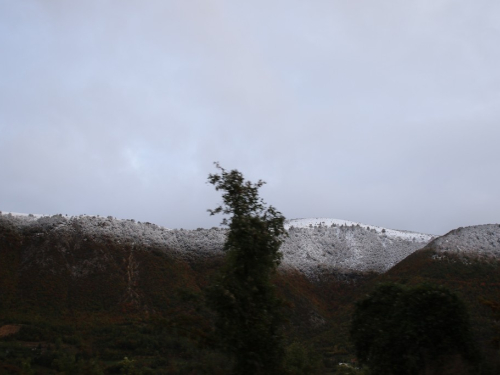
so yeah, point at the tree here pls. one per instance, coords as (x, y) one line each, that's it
(495, 308)
(411, 330)
(249, 314)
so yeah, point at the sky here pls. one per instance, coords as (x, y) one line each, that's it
(383, 112)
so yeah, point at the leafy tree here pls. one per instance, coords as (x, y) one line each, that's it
(495, 308)
(249, 314)
(411, 330)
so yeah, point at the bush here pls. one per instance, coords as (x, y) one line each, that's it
(403, 331)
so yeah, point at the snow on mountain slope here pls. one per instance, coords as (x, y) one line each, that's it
(312, 222)
(321, 244)
(313, 245)
(188, 243)
(481, 240)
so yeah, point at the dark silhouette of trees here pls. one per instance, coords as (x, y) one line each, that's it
(495, 308)
(249, 314)
(412, 330)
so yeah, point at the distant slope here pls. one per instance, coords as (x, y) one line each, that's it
(321, 244)
(313, 247)
(60, 265)
(467, 261)
(188, 243)
(327, 222)
(479, 240)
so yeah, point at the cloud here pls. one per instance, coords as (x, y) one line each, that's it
(380, 112)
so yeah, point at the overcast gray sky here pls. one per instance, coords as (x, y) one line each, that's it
(385, 112)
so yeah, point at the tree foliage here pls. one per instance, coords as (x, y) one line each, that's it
(495, 308)
(301, 360)
(411, 330)
(249, 313)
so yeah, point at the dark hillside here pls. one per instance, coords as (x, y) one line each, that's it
(66, 271)
(62, 267)
(476, 280)
(113, 297)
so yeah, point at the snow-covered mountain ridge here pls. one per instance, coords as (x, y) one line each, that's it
(313, 222)
(318, 245)
(313, 246)
(480, 240)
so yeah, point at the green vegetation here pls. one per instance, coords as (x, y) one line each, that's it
(107, 345)
(495, 308)
(412, 330)
(475, 281)
(250, 315)
(301, 360)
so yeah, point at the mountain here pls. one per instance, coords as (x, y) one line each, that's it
(479, 240)
(95, 263)
(123, 280)
(131, 283)
(322, 245)
(466, 261)
(313, 246)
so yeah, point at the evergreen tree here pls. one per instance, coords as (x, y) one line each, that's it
(249, 314)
